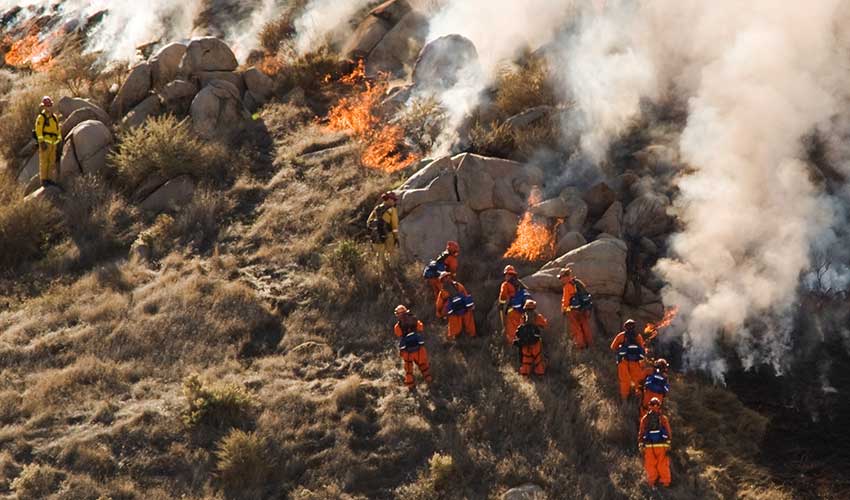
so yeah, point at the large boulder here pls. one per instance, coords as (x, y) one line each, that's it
(217, 111)
(207, 54)
(611, 221)
(484, 183)
(135, 89)
(599, 198)
(172, 195)
(205, 77)
(576, 209)
(151, 106)
(647, 216)
(367, 35)
(446, 61)
(429, 172)
(391, 11)
(258, 84)
(177, 96)
(441, 188)
(554, 208)
(70, 105)
(498, 229)
(78, 117)
(165, 64)
(85, 150)
(569, 241)
(601, 265)
(399, 47)
(29, 170)
(427, 228)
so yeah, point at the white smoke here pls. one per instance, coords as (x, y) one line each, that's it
(320, 19)
(758, 76)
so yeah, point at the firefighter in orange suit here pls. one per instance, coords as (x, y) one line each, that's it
(654, 440)
(512, 297)
(529, 340)
(630, 350)
(455, 304)
(411, 346)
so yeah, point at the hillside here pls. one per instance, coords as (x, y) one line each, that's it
(199, 314)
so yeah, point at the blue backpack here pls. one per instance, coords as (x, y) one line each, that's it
(581, 300)
(655, 433)
(410, 340)
(458, 303)
(518, 300)
(630, 350)
(435, 267)
(657, 383)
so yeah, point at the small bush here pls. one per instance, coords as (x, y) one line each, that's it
(523, 87)
(441, 470)
(167, 147)
(8, 469)
(36, 482)
(25, 226)
(495, 140)
(345, 259)
(244, 464)
(10, 406)
(305, 71)
(218, 407)
(423, 121)
(281, 28)
(349, 393)
(90, 458)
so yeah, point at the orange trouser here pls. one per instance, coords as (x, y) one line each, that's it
(657, 465)
(532, 358)
(630, 375)
(419, 357)
(460, 323)
(647, 395)
(512, 321)
(434, 283)
(579, 322)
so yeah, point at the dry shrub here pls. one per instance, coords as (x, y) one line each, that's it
(25, 226)
(442, 470)
(244, 464)
(99, 219)
(349, 393)
(345, 258)
(423, 120)
(8, 469)
(81, 487)
(10, 406)
(90, 458)
(501, 140)
(166, 147)
(494, 140)
(525, 86)
(218, 407)
(36, 482)
(18, 118)
(281, 28)
(306, 71)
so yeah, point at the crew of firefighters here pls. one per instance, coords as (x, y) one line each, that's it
(638, 375)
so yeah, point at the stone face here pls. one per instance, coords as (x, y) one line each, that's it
(498, 229)
(177, 96)
(68, 106)
(425, 175)
(135, 89)
(30, 169)
(599, 198)
(601, 265)
(555, 208)
(399, 47)
(147, 108)
(576, 209)
(165, 64)
(258, 83)
(77, 117)
(172, 195)
(426, 229)
(612, 221)
(366, 37)
(217, 111)
(475, 185)
(205, 77)
(207, 54)
(485, 183)
(441, 188)
(647, 216)
(569, 242)
(446, 61)
(85, 150)
(391, 11)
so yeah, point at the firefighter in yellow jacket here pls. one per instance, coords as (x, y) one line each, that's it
(383, 225)
(48, 135)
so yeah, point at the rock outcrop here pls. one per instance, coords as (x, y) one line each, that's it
(135, 89)
(217, 111)
(85, 150)
(207, 54)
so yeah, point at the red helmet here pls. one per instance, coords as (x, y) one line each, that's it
(452, 247)
(509, 269)
(389, 195)
(47, 101)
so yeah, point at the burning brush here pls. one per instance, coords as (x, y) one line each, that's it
(651, 330)
(534, 240)
(357, 114)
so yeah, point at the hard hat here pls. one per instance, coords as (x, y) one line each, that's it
(566, 271)
(530, 304)
(389, 195)
(444, 275)
(47, 101)
(509, 269)
(400, 309)
(452, 247)
(654, 402)
(629, 323)
(661, 364)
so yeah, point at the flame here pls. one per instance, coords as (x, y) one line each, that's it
(357, 114)
(271, 65)
(30, 51)
(669, 315)
(534, 241)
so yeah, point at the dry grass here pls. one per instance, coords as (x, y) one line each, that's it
(36, 482)
(17, 120)
(216, 407)
(524, 86)
(244, 464)
(166, 147)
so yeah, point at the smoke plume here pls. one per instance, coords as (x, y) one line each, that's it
(320, 19)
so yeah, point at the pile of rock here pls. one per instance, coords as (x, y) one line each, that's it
(611, 235)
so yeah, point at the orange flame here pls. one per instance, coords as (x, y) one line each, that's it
(357, 115)
(669, 315)
(534, 241)
(30, 51)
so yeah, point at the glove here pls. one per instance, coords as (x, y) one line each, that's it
(641, 446)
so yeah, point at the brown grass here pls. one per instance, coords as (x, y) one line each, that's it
(524, 86)
(244, 464)
(25, 226)
(17, 120)
(36, 482)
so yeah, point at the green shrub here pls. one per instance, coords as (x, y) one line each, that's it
(168, 147)
(244, 464)
(441, 469)
(36, 482)
(345, 258)
(218, 407)
(25, 226)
